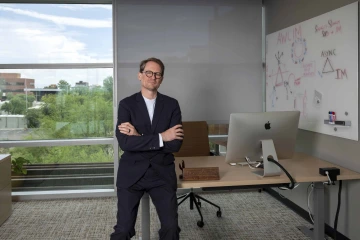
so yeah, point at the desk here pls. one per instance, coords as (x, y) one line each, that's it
(302, 167)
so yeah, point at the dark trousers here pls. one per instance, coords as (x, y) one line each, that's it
(163, 197)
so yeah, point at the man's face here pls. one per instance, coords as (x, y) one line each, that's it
(151, 83)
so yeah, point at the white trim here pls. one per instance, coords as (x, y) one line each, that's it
(56, 65)
(42, 90)
(218, 136)
(115, 88)
(263, 56)
(57, 142)
(59, 2)
(62, 194)
(66, 194)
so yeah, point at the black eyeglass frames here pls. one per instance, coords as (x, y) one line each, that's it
(151, 73)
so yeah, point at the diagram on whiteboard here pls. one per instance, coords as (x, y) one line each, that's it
(312, 67)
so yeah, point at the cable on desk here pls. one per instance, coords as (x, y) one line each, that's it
(292, 184)
(308, 204)
(285, 188)
(252, 165)
(338, 209)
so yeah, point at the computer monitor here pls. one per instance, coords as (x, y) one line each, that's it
(260, 135)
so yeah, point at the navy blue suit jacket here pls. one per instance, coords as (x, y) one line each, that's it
(141, 151)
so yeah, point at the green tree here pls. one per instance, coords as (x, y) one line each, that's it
(2, 83)
(17, 104)
(82, 113)
(64, 85)
(65, 154)
(51, 86)
(33, 118)
(81, 90)
(7, 107)
(29, 98)
(108, 84)
(9, 96)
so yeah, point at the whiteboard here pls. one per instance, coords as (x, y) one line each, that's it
(313, 67)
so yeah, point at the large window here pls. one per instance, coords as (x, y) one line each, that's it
(56, 86)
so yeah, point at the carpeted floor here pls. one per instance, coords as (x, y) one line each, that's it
(245, 215)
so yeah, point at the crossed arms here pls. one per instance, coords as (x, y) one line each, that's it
(130, 140)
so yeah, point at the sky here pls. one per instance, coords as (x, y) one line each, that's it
(56, 33)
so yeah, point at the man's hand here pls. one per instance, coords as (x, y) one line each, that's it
(176, 132)
(128, 129)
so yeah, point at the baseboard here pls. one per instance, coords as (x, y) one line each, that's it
(304, 214)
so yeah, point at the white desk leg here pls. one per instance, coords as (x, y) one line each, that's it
(318, 200)
(145, 217)
(319, 224)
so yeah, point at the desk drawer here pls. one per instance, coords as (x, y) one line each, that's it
(5, 204)
(5, 172)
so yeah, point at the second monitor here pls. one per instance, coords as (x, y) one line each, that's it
(260, 135)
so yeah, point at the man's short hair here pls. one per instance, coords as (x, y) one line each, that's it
(152, 59)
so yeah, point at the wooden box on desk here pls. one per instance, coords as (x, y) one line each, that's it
(201, 174)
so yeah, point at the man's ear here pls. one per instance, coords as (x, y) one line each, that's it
(139, 76)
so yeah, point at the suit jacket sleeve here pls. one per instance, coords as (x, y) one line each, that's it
(174, 145)
(134, 143)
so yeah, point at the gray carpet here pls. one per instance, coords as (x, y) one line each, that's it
(245, 215)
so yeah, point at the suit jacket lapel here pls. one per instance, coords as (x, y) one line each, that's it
(157, 112)
(143, 110)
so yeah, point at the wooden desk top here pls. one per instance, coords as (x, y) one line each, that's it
(303, 168)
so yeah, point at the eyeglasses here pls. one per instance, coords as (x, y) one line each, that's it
(151, 73)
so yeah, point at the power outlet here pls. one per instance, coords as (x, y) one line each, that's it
(332, 171)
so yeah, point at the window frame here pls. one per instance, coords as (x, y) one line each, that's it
(70, 142)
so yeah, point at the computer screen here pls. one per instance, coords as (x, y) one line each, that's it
(247, 130)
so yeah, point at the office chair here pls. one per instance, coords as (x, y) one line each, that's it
(195, 143)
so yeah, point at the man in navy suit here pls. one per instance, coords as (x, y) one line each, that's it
(149, 131)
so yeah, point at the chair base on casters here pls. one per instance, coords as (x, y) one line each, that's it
(194, 198)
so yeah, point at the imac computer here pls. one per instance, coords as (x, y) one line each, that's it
(256, 136)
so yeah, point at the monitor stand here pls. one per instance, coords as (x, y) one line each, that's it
(270, 169)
